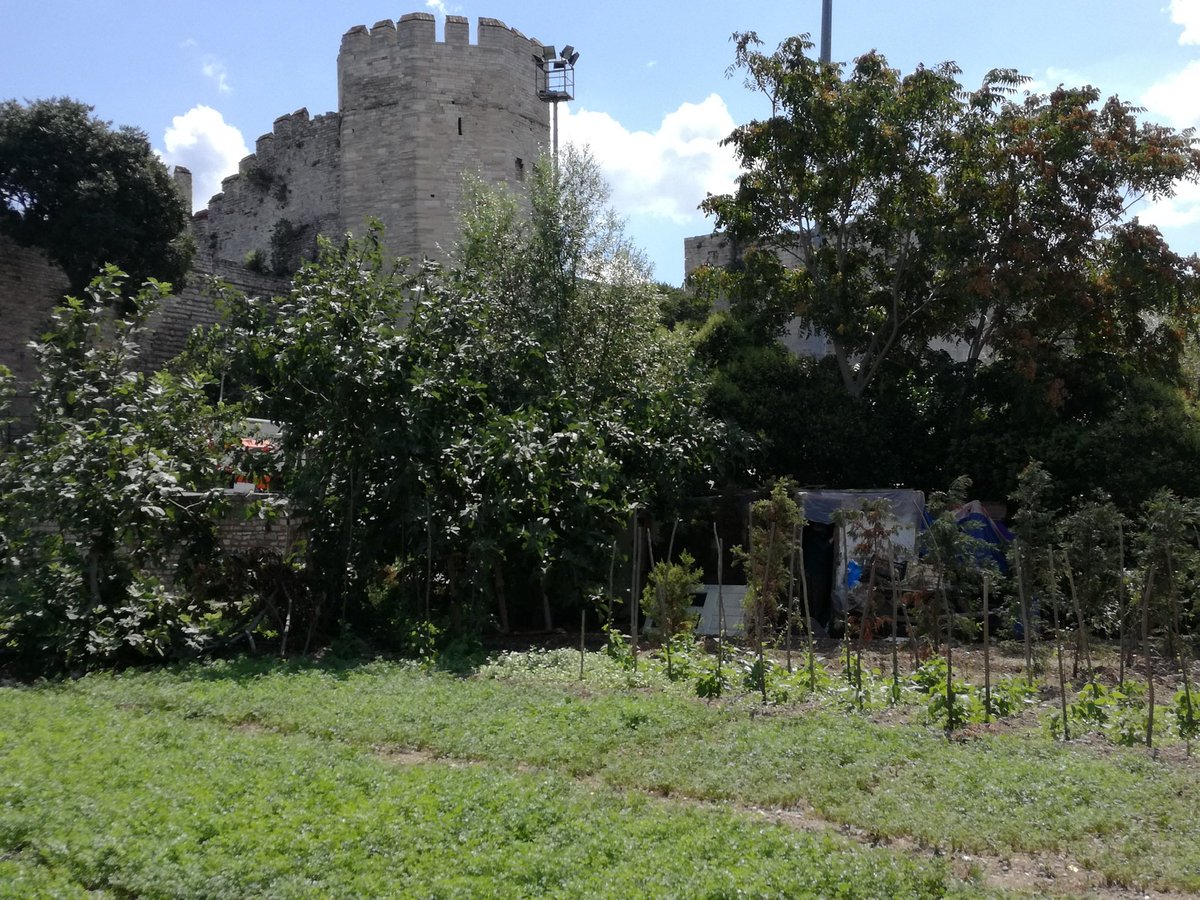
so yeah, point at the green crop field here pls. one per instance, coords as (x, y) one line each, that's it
(255, 778)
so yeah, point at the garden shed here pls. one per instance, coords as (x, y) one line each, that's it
(829, 559)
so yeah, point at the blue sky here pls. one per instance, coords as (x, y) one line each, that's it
(204, 79)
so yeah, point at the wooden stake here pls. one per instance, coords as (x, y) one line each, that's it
(1025, 629)
(1146, 594)
(1082, 638)
(791, 602)
(1122, 606)
(987, 655)
(1062, 677)
(808, 624)
(895, 616)
(634, 604)
(720, 603)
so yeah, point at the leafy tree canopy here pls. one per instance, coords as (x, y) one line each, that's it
(458, 435)
(88, 194)
(105, 505)
(888, 211)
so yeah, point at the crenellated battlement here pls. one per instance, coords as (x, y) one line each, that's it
(419, 29)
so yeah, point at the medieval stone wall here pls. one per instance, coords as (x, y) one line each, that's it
(29, 287)
(293, 177)
(195, 305)
(414, 115)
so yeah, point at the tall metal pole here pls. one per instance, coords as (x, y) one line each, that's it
(555, 105)
(826, 28)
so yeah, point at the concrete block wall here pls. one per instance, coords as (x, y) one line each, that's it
(719, 251)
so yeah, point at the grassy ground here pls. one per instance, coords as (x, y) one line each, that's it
(252, 777)
(107, 796)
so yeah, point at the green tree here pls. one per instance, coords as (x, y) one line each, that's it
(1044, 256)
(447, 431)
(88, 194)
(105, 505)
(843, 200)
(889, 210)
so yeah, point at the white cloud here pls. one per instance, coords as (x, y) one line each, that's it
(215, 70)
(188, 43)
(438, 6)
(1177, 98)
(206, 144)
(664, 174)
(1180, 211)
(1187, 14)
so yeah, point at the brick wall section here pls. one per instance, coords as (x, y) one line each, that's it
(29, 287)
(238, 534)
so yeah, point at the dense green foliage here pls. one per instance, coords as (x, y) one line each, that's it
(465, 441)
(89, 195)
(106, 504)
(969, 257)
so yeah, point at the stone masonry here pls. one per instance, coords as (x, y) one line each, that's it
(415, 114)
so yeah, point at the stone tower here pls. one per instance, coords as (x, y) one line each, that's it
(417, 114)
(414, 115)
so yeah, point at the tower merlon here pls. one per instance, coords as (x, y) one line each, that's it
(458, 30)
(415, 29)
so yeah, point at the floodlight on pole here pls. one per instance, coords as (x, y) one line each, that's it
(554, 80)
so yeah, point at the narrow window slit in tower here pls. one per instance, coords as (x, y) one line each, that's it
(460, 124)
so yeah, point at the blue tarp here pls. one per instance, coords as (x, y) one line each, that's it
(993, 537)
